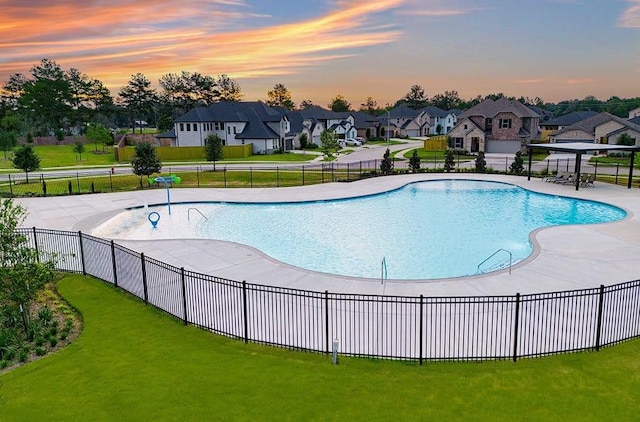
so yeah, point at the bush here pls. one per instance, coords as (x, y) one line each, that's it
(312, 146)
(40, 351)
(23, 355)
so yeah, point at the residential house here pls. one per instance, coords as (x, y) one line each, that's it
(363, 122)
(603, 128)
(563, 121)
(502, 126)
(634, 113)
(437, 121)
(403, 121)
(236, 123)
(317, 119)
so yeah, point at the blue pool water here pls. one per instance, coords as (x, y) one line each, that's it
(425, 230)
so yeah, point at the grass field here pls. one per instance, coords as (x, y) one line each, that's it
(63, 156)
(135, 363)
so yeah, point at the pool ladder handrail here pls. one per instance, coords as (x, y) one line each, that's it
(494, 254)
(195, 209)
(383, 270)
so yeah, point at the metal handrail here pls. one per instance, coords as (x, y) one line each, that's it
(494, 254)
(383, 270)
(195, 209)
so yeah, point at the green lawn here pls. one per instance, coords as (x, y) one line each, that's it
(135, 363)
(63, 156)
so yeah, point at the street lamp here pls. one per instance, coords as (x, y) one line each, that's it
(388, 120)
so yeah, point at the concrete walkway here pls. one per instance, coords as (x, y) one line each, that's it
(565, 258)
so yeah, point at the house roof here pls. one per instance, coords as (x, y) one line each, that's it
(635, 121)
(169, 134)
(402, 111)
(231, 111)
(570, 118)
(589, 125)
(435, 111)
(295, 122)
(319, 113)
(361, 120)
(489, 108)
(256, 128)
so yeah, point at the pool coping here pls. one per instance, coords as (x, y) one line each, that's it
(564, 257)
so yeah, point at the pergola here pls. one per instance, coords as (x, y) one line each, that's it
(580, 148)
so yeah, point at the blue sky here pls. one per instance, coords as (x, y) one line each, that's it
(554, 49)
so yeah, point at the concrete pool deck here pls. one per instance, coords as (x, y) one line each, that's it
(565, 257)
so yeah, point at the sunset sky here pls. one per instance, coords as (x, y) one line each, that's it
(554, 49)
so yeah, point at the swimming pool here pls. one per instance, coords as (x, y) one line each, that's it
(424, 230)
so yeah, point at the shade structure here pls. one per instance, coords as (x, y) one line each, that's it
(580, 148)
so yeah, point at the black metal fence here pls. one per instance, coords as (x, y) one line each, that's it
(97, 181)
(413, 328)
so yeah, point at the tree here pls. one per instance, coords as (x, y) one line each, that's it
(415, 98)
(339, 104)
(97, 133)
(228, 89)
(22, 271)
(414, 162)
(329, 143)
(386, 165)
(213, 149)
(305, 104)
(449, 161)
(625, 139)
(138, 97)
(304, 141)
(26, 159)
(145, 161)
(187, 90)
(78, 148)
(369, 106)
(517, 167)
(481, 163)
(8, 141)
(280, 96)
(446, 101)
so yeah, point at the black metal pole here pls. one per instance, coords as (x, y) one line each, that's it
(631, 160)
(144, 278)
(246, 314)
(113, 263)
(184, 296)
(84, 271)
(577, 169)
(599, 326)
(421, 325)
(35, 244)
(326, 320)
(515, 328)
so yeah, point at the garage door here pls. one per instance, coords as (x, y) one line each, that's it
(505, 147)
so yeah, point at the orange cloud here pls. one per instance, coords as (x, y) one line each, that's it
(111, 42)
(579, 81)
(529, 81)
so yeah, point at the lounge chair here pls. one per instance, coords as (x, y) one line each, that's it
(588, 181)
(563, 178)
(558, 177)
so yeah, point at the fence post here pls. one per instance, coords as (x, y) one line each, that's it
(303, 175)
(277, 177)
(10, 186)
(421, 325)
(595, 173)
(144, 278)
(84, 271)
(184, 295)
(326, 320)
(111, 181)
(515, 328)
(198, 175)
(35, 244)
(78, 181)
(599, 327)
(244, 307)
(250, 177)
(224, 175)
(113, 263)
(617, 170)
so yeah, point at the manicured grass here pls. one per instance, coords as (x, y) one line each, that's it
(63, 156)
(135, 363)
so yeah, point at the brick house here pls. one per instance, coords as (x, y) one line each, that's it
(502, 126)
